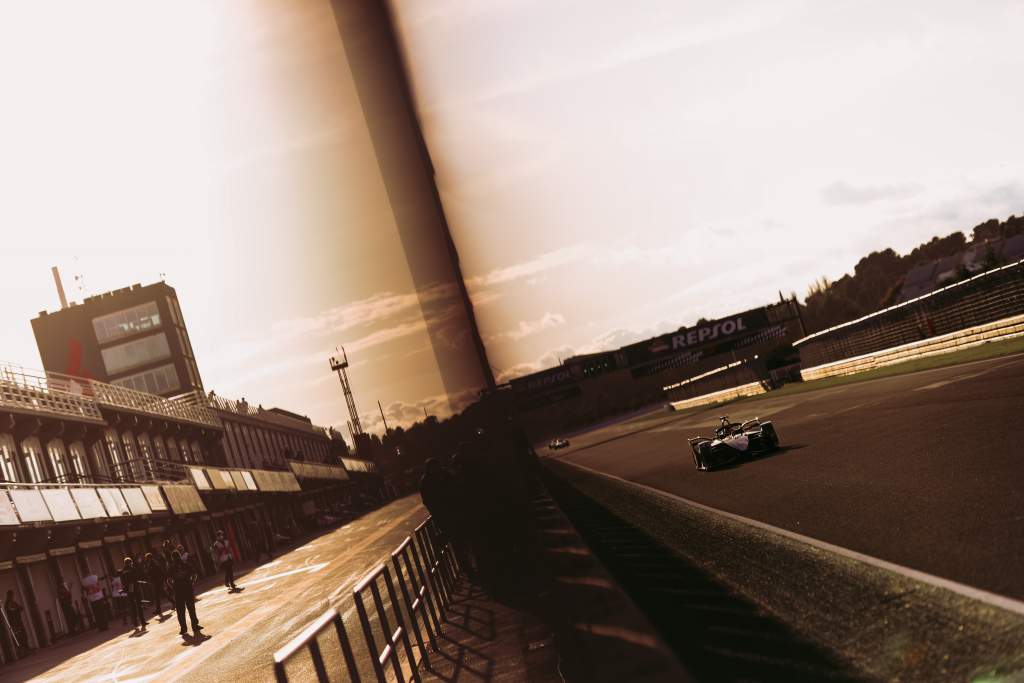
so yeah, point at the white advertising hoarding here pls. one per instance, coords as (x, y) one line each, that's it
(8, 517)
(136, 500)
(62, 507)
(30, 505)
(114, 502)
(199, 478)
(88, 502)
(154, 498)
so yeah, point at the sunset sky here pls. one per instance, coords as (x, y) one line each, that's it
(609, 170)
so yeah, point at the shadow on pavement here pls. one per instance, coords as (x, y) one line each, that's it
(483, 639)
(194, 641)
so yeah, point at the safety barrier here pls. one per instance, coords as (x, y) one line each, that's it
(308, 640)
(1007, 328)
(390, 652)
(425, 570)
(418, 600)
(751, 389)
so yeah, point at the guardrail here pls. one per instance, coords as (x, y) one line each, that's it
(391, 638)
(751, 389)
(947, 343)
(307, 640)
(425, 569)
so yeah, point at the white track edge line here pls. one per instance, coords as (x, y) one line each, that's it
(993, 599)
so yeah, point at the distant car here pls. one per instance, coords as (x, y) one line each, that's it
(733, 440)
(558, 443)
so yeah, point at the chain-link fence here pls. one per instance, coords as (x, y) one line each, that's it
(990, 296)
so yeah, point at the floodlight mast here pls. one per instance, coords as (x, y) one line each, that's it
(339, 364)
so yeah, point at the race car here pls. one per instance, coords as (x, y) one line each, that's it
(733, 440)
(558, 443)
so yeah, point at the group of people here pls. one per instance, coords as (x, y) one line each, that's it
(479, 498)
(170, 572)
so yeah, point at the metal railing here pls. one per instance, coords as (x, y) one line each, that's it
(307, 640)
(418, 600)
(390, 653)
(243, 407)
(990, 296)
(425, 571)
(67, 395)
(30, 390)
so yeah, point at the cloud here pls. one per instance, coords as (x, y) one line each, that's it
(843, 193)
(645, 36)
(372, 309)
(527, 328)
(1010, 194)
(609, 341)
(619, 337)
(387, 334)
(524, 269)
(684, 253)
(405, 413)
(550, 359)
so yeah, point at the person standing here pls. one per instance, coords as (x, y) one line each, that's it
(226, 560)
(165, 550)
(97, 602)
(119, 597)
(67, 606)
(131, 578)
(156, 572)
(14, 611)
(182, 577)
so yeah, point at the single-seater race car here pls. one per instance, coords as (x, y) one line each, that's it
(733, 440)
(557, 444)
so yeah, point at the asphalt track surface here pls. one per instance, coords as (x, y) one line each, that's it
(243, 629)
(925, 470)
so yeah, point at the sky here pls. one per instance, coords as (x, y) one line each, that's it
(609, 171)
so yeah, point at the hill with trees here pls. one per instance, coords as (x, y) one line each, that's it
(878, 277)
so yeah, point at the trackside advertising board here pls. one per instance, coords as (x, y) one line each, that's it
(731, 327)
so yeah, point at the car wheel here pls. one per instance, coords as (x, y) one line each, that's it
(771, 438)
(703, 451)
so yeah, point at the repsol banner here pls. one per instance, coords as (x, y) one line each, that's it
(686, 339)
(543, 380)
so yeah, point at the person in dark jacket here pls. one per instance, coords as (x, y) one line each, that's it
(165, 551)
(67, 606)
(156, 573)
(14, 611)
(132, 578)
(181, 577)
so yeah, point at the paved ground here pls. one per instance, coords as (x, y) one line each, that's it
(244, 629)
(925, 469)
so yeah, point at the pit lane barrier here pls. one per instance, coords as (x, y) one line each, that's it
(425, 569)
(1007, 328)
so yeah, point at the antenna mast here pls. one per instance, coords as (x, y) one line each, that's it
(339, 365)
